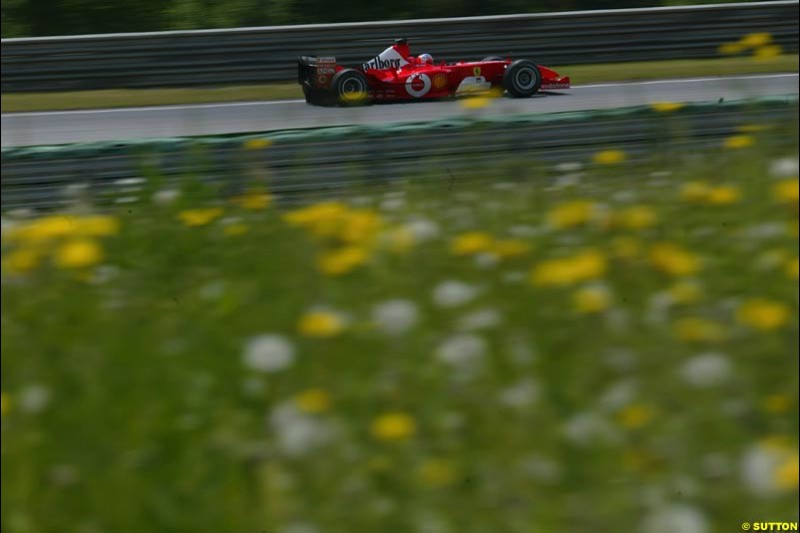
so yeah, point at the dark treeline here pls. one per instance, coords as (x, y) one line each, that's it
(23, 18)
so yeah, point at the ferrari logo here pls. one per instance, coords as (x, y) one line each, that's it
(440, 81)
(476, 71)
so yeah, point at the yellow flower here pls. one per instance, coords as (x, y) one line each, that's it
(667, 107)
(42, 229)
(475, 102)
(437, 473)
(793, 268)
(22, 260)
(257, 144)
(634, 416)
(583, 266)
(786, 475)
(508, 248)
(471, 243)
(254, 200)
(393, 427)
(625, 248)
(737, 142)
(359, 225)
(752, 40)
(635, 217)
(400, 240)
(234, 230)
(199, 217)
(763, 314)
(5, 403)
(321, 213)
(723, 195)
(751, 128)
(314, 401)
(765, 53)
(96, 225)
(341, 260)
(570, 214)
(695, 191)
(777, 403)
(698, 330)
(674, 261)
(609, 157)
(590, 300)
(731, 48)
(321, 324)
(685, 292)
(787, 192)
(80, 253)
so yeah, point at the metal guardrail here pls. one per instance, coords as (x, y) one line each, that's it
(255, 55)
(303, 165)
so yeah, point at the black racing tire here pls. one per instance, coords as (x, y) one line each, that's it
(522, 79)
(493, 58)
(350, 87)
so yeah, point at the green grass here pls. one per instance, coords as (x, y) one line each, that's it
(580, 74)
(134, 399)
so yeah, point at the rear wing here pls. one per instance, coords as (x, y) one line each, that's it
(315, 71)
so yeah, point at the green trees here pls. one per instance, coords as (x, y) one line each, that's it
(23, 18)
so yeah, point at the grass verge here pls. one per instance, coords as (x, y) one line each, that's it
(580, 74)
(602, 346)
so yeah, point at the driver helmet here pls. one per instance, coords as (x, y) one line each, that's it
(425, 59)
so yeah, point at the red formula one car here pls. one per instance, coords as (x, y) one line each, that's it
(395, 75)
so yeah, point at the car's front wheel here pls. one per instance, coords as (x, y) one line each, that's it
(522, 79)
(350, 87)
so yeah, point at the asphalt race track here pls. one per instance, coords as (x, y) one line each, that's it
(60, 127)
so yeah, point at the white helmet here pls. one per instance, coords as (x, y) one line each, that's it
(425, 59)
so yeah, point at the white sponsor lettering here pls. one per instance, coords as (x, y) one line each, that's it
(472, 84)
(418, 91)
(389, 58)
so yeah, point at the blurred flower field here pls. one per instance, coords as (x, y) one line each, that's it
(610, 347)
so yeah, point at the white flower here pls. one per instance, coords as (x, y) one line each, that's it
(522, 230)
(299, 527)
(540, 468)
(564, 181)
(785, 167)
(268, 353)
(619, 395)
(486, 260)
(212, 290)
(423, 229)
(588, 428)
(513, 276)
(522, 394)
(297, 433)
(481, 319)
(34, 398)
(568, 166)
(393, 204)
(395, 317)
(759, 466)
(463, 350)
(166, 196)
(676, 518)
(453, 293)
(706, 370)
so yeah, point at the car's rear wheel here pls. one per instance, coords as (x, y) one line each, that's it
(522, 79)
(350, 87)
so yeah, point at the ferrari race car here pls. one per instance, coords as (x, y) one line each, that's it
(396, 75)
